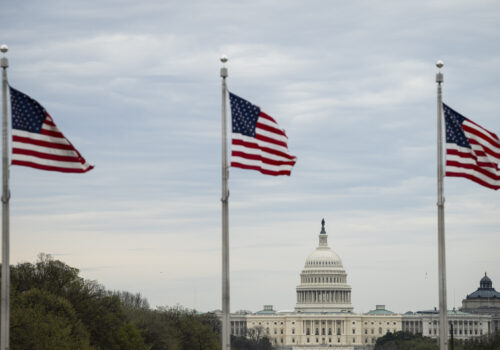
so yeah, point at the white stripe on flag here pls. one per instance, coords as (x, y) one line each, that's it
(46, 150)
(48, 162)
(48, 127)
(261, 143)
(261, 164)
(39, 137)
(256, 151)
(473, 172)
(270, 123)
(486, 159)
(271, 135)
(484, 138)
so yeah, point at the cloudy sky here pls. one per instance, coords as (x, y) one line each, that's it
(135, 86)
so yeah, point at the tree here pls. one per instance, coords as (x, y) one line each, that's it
(130, 338)
(132, 302)
(47, 274)
(405, 341)
(42, 320)
(256, 333)
(487, 342)
(100, 312)
(243, 343)
(54, 308)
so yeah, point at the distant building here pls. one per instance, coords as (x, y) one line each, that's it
(323, 315)
(313, 330)
(485, 300)
(465, 325)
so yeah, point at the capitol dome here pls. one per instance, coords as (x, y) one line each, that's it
(323, 258)
(323, 286)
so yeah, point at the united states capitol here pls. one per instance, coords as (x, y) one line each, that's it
(324, 316)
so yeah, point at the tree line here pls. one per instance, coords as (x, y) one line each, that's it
(53, 307)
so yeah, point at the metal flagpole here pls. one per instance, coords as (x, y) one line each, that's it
(443, 309)
(5, 317)
(226, 340)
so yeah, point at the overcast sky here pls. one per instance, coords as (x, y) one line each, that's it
(135, 86)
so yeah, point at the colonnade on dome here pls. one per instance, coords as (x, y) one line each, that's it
(327, 296)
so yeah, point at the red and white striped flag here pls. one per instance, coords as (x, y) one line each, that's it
(258, 142)
(36, 140)
(471, 151)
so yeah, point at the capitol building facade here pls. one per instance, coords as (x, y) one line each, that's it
(324, 317)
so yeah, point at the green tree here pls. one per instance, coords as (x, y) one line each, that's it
(130, 338)
(55, 308)
(487, 342)
(193, 333)
(405, 341)
(243, 343)
(41, 320)
(100, 311)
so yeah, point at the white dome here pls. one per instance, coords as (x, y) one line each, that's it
(322, 257)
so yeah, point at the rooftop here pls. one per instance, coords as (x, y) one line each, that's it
(380, 310)
(485, 290)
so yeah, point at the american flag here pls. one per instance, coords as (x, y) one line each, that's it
(258, 142)
(471, 151)
(36, 140)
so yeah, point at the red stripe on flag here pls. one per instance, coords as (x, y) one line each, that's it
(492, 134)
(479, 134)
(47, 144)
(52, 133)
(456, 152)
(492, 175)
(268, 117)
(472, 178)
(485, 148)
(49, 156)
(49, 121)
(261, 158)
(264, 149)
(270, 140)
(263, 171)
(50, 168)
(270, 129)
(473, 155)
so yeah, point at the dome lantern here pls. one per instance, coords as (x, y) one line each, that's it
(485, 282)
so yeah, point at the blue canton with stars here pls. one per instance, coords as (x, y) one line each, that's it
(27, 114)
(454, 130)
(244, 115)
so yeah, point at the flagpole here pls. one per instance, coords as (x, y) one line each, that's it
(5, 312)
(226, 340)
(443, 309)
